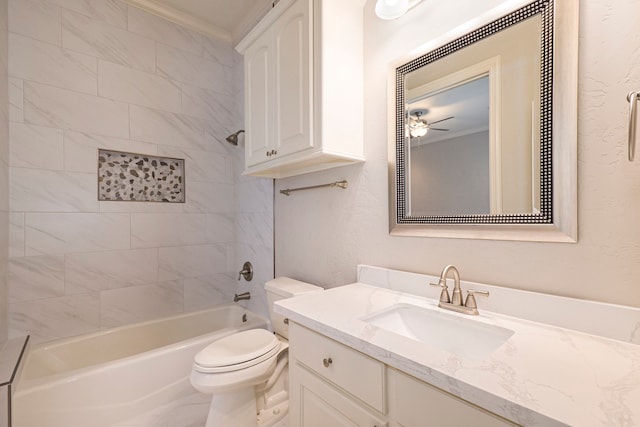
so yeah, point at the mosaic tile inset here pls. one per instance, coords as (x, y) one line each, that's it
(140, 178)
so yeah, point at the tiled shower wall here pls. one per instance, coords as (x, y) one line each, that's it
(4, 171)
(89, 74)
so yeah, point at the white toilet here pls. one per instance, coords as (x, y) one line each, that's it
(247, 372)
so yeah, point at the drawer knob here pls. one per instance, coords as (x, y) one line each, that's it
(326, 362)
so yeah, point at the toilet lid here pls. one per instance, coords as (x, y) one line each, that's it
(237, 351)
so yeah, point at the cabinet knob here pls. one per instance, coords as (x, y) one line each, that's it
(326, 362)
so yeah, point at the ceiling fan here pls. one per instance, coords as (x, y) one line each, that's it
(419, 127)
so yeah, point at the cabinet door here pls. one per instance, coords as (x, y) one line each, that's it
(414, 403)
(314, 403)
(258, 100)
(293, 83)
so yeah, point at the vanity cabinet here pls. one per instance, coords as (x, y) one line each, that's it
(415, 403)
(303, 84)
(334, 385)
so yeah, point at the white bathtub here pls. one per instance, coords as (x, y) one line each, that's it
(135, 375)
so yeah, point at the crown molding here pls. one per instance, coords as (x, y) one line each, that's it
(250, 20)
(183, 19)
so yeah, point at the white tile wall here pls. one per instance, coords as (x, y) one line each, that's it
(36, 277)
(145, 24)
(42, 62)
(37, 19)
(89, 74)
(62, 233)
(191, 261)
(97, 271)
(50, 106)
(5, 88)
(112, 12)
(52, 318)
(36, 147)
(42, 190)
(166, 128)
(16, 107)
(136, 304)
(16, 234)
(155, 230)
(94, 37)
(138, 87)
(193, 69)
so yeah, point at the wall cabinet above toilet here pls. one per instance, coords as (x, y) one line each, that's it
(303, 84)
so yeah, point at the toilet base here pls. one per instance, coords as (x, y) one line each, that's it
(235, 409)
(269, 417)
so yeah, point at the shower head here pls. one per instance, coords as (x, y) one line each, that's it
(233, 138)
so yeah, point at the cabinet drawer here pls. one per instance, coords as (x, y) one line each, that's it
(354, 372)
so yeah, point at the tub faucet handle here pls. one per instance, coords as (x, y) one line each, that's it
(246, 272)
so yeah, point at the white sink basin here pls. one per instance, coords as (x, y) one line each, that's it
(453, 333)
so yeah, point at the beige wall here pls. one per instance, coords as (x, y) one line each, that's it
(451, 175)
(4, 167)
(321, 235)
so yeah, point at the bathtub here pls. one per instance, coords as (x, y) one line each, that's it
(135, 375)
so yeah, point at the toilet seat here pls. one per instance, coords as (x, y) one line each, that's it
(238, 351)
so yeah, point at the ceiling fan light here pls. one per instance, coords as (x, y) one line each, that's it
(419, 131)
(391, 9)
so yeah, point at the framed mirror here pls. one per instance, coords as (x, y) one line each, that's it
(484, 131)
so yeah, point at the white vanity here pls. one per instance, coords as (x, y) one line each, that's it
(351, 365)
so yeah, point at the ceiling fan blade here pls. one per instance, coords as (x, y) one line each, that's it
(441, 120)
(444, 130)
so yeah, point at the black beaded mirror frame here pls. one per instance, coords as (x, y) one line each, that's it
(546, 9)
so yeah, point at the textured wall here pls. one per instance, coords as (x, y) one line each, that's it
(4, 170)
(101, 74)
(322, 235)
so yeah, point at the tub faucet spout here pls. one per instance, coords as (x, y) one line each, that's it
(242, 296)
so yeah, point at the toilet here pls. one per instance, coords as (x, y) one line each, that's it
(246, 372)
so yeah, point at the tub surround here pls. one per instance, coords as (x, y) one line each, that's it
(78, 265)
(543, 374)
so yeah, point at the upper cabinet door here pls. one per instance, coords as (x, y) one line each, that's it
(296, 121)
(257, 94)
(293, 89)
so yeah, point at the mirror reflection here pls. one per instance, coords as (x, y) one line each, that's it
(449, 132)
(474, 117)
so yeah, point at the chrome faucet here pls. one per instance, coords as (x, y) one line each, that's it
(455, 302)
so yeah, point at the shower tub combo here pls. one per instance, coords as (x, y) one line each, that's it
(129, 376)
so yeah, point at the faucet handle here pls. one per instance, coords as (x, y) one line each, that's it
(444, 295)
(470, 302)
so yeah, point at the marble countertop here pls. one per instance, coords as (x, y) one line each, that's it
(543, 375)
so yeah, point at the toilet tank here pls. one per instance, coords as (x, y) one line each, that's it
(281, 288)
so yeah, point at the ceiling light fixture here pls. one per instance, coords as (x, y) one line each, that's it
(392, 9)
(417, 127)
